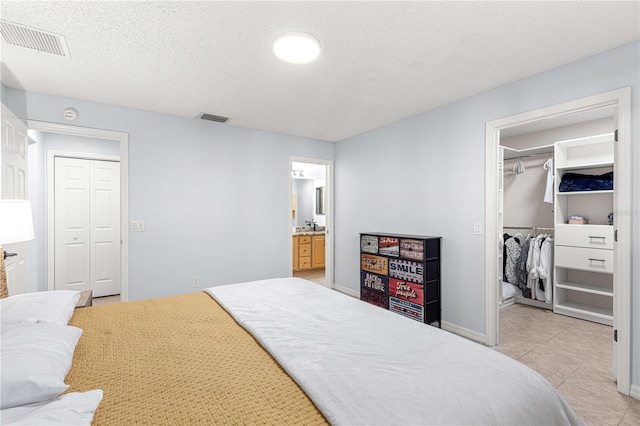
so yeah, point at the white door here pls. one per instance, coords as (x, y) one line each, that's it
(105, 227)
(13, 185)
(87, 225)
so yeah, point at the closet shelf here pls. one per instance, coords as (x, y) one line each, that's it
(608, 191)
(581, 166)
(586, 288)
(510, 153)
(590, 311)
(579, 225)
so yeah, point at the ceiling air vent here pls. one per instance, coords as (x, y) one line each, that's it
(32, 38)
(211, 117)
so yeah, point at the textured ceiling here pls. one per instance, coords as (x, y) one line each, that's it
(380, 62)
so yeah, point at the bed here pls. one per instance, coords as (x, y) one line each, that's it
(288, 351)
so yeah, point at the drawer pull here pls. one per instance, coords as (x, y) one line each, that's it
(592, 237)
(591, 260)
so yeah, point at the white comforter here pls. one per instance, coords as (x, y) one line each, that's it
(361, 364)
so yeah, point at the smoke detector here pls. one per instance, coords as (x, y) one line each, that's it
(71, 114)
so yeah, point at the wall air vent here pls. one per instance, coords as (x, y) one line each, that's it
(32, 38)
(211, 117)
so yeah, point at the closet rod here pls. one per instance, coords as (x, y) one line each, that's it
(535, 228)
(529, 155)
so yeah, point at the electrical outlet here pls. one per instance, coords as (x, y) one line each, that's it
(195, 282)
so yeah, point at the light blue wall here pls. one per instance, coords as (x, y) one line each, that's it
(214, 198)
(68, 143)
(425, 175)
(3, 93)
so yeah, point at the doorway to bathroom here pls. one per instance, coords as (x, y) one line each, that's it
(311, 214)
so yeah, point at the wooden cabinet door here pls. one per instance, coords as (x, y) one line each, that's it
(317, 251)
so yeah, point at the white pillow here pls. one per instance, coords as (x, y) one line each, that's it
(34, 360)
(51, 307)
(76, 408)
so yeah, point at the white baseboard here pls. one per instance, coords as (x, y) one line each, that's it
(634, 392)
(456, 329)
(507, 303)
(346, 290)
(464, 332)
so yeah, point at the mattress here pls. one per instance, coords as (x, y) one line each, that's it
(288, 352)
(363, 365)
(181, 360)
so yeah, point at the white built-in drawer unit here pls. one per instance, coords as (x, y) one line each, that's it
(588, 236)
(584, 259)
(583, 254)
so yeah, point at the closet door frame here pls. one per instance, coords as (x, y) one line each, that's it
(620, 99)
(51, 156)
(123, 140)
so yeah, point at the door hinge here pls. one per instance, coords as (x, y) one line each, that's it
(615, 235)
(615, 135)
(615, 335)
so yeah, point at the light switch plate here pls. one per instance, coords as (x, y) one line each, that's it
(137, 226)
(477, 228)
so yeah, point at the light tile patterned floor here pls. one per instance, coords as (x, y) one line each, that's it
(315, 275)
(575, 356)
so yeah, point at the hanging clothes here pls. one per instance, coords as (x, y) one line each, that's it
(545, 270)
(521, 267)
(548, 193)
(505, 237)
(533, 261)
(513, 250)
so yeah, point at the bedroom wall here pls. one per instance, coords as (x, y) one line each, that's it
(425, 175)
(214, 198)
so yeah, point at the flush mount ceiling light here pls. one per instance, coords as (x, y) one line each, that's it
(296, 47)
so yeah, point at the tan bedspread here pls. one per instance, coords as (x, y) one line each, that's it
(181, 360)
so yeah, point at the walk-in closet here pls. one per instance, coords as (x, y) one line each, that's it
(559, 181)
(563, 172)
(558, 247)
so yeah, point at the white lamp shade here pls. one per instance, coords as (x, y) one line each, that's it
(16, 221)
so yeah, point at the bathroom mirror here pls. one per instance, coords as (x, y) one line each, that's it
(303, 190)
(320, 200)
